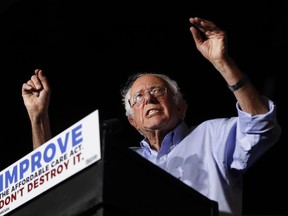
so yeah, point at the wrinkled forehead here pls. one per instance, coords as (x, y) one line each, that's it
(146, 82)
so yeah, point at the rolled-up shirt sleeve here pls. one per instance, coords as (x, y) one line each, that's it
(254, 136)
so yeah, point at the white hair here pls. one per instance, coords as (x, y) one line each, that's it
(126, 90)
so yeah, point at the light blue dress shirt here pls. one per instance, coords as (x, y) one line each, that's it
(212, 156)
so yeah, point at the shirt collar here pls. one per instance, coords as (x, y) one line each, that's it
(173, 138)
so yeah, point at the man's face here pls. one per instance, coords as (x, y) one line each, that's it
(153, 112)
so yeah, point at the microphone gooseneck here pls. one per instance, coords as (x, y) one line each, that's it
(111, 126)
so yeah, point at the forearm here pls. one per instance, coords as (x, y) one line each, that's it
(247, 96)
(41, 131)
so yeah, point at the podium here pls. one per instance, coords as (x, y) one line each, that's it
(120, 183)
(134, 186)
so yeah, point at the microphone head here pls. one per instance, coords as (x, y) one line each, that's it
(112, 126)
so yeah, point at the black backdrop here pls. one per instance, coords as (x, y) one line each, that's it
(88, 49)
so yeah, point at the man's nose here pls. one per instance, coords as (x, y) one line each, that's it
(148, 97)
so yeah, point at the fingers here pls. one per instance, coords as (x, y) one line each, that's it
(202, 30)
(202, 24)
(36, 83)
(35, 80)
(197, 29)
(42, 78)
(26, 87)
(205, 26)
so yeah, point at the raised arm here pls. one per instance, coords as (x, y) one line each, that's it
(211, 41)
(36, 96)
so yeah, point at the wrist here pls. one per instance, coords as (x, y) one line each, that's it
(239, 84)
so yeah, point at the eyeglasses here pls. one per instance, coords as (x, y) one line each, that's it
(139, 97)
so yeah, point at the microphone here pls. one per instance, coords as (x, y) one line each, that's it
(111, 126)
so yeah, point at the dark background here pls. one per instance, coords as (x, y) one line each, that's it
(88, 50)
